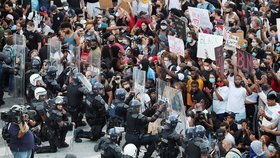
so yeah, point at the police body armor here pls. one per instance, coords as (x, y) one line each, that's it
(117, 113)
(52, 87)
(169, 143)
(111, 151)
(95, 108)
(203, 145)
(75, 97)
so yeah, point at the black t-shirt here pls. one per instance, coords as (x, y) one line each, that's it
(275, 13)
(74, 3)
(32, 40)
(193, 51)
(14, 14)
(57, 20)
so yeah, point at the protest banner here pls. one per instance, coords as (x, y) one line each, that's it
(105, 4)
(244, 61)
(200, 17)
(231, 42)
(220, 58)
(206, 45)
(176, 45)
(278, 27)
(240, 36)
(180, 27)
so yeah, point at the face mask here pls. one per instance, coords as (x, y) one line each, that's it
(189, 39)
(212, 80)
(206, 68)
(270, 148)
(163, 27)
(267, 52)
(225, 55)
(140, 66)
(28, 29)
(254, 44)
(93, 47)
(111, 42)
(127, 89)
(230, 71)
(251, 25)
(54, 13)
(230, 24)
(244, 46)
(145, 53)
(225, 67)
(66, 8)
(254, 54)
(220, 84)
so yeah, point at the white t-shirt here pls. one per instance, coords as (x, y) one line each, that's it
(219, 107)
(253, 98)
(273, 112)
(174, 4)
(144, 6)
(228, 136)
(236, 98)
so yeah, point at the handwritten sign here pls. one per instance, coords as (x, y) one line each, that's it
(176, 45)
(240, 36)
(244, 61)
(180, 27)
(231, 42)
(220, 58)
(125, 5)
(207, 44)
(200, 17)
(105, 4)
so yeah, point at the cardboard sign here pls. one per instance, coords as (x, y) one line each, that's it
(206, 45)
(220, 58)
(176, 45)
(180, 27)
(231, 42)
(105, 4)
(200, 17)
(278, 28)
(125, 5)
(240, 36)
(244, 61)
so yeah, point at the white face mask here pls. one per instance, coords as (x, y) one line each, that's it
(66, 8)
(254, 44)
(206, 68)
(251, 25)
(163, 27)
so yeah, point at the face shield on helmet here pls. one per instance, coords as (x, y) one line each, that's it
(36, 80)
(190, 133)
(172, 121)
(52, 71)
(130, 150)
(36, 63)
(59, 101)
(40, 92)
(120, 94)
(98, 88)
(200, 131)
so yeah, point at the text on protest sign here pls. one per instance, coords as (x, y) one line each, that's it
(220, 58)
(206, 45)
(278, 27)
(200, 17)
(105, 4)
(231, 42)
(180, 27)
(176, 45)
(240, 36)
(244, 61)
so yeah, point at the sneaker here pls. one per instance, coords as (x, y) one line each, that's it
(63, 145)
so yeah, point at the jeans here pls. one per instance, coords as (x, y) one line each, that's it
(92, 10)
(23, 154)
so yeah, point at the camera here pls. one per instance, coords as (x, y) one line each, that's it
(16, 114)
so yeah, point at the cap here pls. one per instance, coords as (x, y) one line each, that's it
(142, 12)
(65, 3)
(163, 22)
(53, 8)
(272, 97)
(220, 134)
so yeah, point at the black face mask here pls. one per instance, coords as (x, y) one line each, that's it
(230, 24)
(93, 47)
(127, 89)
(111, 42)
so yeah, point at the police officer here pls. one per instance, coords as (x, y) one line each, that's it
(35, 81)
(109, 147)
(190, 150)
(130, 151)
(52, 86)
(75, 94)
(135, 129)
(57, 129)
(169, 138)
(35, 68)
(39, 104)
(118, 109)
(95, 114)
(199, 146)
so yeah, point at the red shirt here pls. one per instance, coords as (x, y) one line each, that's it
(139, 22)
(84, 56)
(131, 23)
(274, 86)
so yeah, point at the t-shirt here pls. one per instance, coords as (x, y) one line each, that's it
(278, 129)
(236, 98)
(234, 153)
(273, 112)
(219, 107)
(33, 38)
(25, 143)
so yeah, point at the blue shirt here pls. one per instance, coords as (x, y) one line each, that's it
(151, 74)
(207, 6)
(25, 143)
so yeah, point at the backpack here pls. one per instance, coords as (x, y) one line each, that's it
(8, 52)
(5, 132)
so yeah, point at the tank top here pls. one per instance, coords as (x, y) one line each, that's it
(71, 40)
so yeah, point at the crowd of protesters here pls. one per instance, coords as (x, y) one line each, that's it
(242, 108)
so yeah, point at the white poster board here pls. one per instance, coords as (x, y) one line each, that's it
(176, 45)
(278, 27)
(200, 17)
(207, 44)
(231, 43)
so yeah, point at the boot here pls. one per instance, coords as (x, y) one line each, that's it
(63, 145)
(77, 132)
(45, 149)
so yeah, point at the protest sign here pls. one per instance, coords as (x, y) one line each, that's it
(220, 58)
(125, 5)
(200, 17)
(244, 61)
(240, 36)
(206, 45)
(278, 28)
(176, 45)
(105, 4)
(231, 42)
(180, 27)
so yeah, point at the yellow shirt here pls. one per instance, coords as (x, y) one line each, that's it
(200, 86)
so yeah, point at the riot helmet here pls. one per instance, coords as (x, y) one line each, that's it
(114, 135)
(130, 150)
(97, 88)
(200, 131)
(76, 77)
(172, 121)
(34, 79)
(40, 91)
(190, 133)
(36, 63)
(120, 94)
(52, 71)
(59, 101)
(135, 104)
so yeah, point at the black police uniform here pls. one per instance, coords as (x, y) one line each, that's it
(108, 148)
(118, 119)
(136, 133)
(169, 142)
(52, 86)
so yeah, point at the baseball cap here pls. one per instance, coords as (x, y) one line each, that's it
(272, 97)
(220, 134)
(53, 8)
